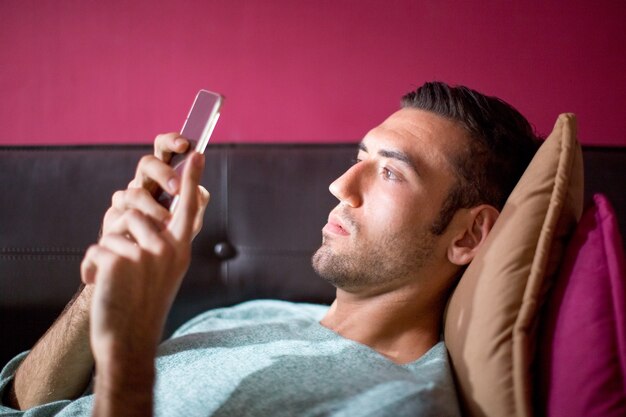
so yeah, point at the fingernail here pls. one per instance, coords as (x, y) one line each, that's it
(172, 184)
(88, 273)
(180, 142)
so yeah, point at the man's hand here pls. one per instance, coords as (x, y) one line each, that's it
(60, 365)
(137, 268)
(153, 172)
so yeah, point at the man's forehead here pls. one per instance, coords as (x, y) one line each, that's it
(418, 132)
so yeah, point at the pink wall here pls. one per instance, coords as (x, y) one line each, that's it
(307, 71)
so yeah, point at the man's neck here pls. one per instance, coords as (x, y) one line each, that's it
(394, 324)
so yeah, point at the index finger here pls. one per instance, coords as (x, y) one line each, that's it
(181, 226)
(167, 144)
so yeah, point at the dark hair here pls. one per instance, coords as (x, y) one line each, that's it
(500, 147)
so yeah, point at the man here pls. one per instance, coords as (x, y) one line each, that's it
(414, 209)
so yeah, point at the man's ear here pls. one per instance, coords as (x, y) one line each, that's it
(474, 226)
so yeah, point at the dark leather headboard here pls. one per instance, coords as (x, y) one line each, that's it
(268, 205)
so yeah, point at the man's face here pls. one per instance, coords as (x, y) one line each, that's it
(379, 236)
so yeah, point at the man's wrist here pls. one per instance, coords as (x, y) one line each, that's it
(124, 387)
(122, 363)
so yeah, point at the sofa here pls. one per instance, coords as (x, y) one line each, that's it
(268, 205)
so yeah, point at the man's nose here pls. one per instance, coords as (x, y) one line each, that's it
(348, 187)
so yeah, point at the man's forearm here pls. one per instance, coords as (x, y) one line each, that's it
(60, 365)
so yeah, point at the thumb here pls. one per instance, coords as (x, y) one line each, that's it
(181, 226)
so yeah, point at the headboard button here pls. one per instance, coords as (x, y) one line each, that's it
(224, 250)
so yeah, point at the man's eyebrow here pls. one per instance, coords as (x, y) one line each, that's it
(397, 155)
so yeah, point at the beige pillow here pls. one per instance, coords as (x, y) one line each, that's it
(491, 318)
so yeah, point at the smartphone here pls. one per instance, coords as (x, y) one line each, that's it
(197, 128)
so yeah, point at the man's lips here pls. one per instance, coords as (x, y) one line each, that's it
(335, 227)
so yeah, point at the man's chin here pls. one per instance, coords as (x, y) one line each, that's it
(322, 260)
(318, 258)
(333, 268)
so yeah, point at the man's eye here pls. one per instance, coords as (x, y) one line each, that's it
(389, 175)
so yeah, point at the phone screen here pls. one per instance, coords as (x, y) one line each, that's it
(197, 128)
(202, 119)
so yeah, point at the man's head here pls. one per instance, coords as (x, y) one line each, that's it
(501, 145)
(425, 191)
